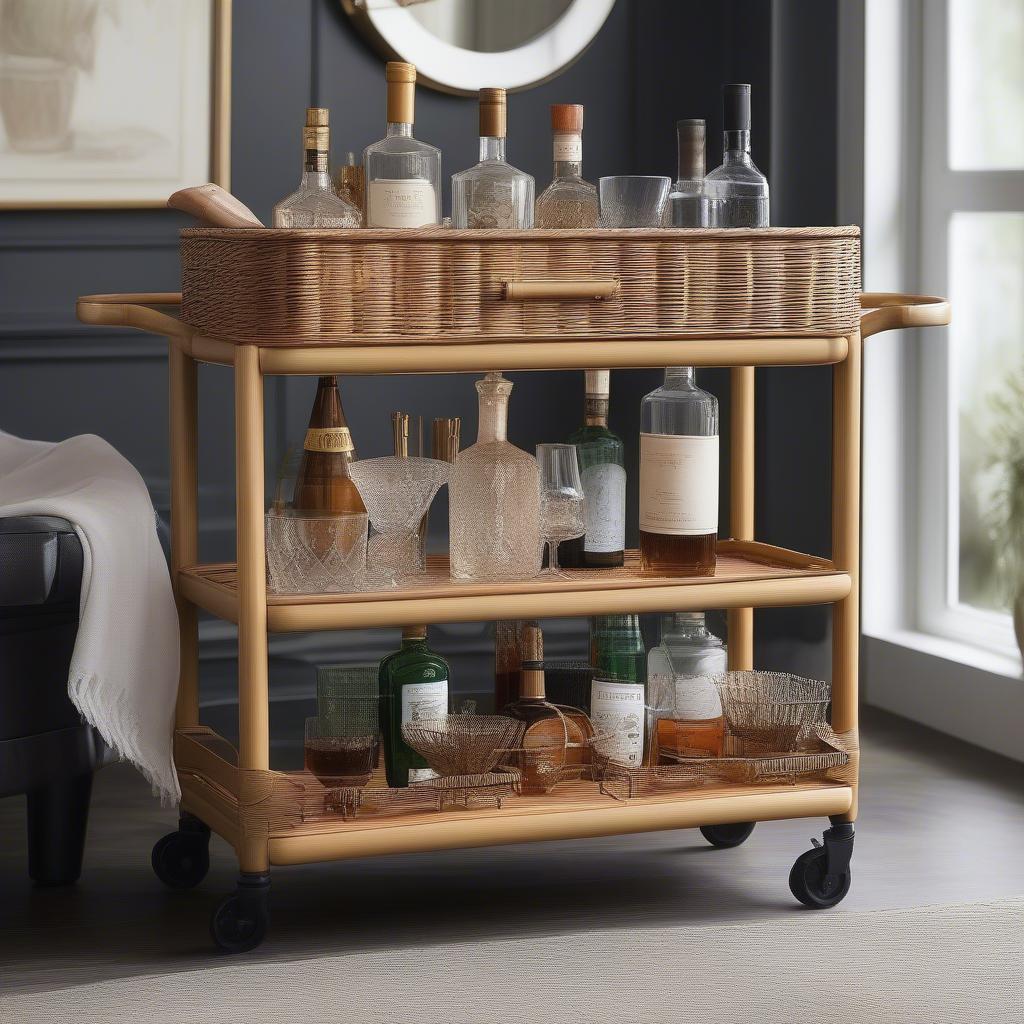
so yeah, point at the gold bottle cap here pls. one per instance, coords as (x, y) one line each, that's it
(317, 117)
(399, 71)
(401, 79)
(597, 383)
(566, 118)
(414, 632)
(318, 138)
(493, 113)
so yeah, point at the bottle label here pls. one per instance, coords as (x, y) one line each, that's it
(421, 775)
(424, 701)
(568, 148)
(617, 711)
(690, 696)
(328, 439)
(400, 203)
(678, 484)
(604, 488)
(697, 699)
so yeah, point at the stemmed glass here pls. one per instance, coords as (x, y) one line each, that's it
(561, 498)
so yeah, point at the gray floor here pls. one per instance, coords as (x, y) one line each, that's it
(940, 823)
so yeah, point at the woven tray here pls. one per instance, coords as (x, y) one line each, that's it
(279, 287)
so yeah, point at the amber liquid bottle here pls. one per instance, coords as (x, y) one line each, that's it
(323, 483)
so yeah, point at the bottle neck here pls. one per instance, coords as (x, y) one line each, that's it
(315, 168)
(736, 146)
(687, 626)
(531, 682)
(568, 169)
(493, 390)
(492, 148)
(680, 376)
(413, 641)
(399, 128)
(595, 411)
(567, 150)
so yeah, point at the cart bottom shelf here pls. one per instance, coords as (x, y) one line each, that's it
(215, 791)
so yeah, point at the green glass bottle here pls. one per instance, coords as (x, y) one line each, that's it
(618, 694)
(601, 456)
(413, 687)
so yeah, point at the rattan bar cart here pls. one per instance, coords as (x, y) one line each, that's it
(531, 300)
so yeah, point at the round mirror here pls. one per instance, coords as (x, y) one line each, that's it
(464, 45)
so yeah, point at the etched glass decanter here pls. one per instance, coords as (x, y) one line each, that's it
(492, 193)
(494, 498)
(737, 191)
(569, 201)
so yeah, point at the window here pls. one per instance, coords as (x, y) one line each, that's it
(971, 247)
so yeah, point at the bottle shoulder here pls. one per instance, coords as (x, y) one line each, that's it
(596, 436)
(492, 171)
(400, 145)
(488, 452)
(735, 173)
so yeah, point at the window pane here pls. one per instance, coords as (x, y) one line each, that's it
(986, 84)
(987, 364)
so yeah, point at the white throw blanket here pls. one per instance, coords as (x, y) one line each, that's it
(124, 670)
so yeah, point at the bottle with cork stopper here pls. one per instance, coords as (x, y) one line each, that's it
(315, 204)
(492, 193)
(687, 202)
(542, 756)
(402, 174)
(569, 201)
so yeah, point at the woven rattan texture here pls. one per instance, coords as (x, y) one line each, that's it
(277, 287)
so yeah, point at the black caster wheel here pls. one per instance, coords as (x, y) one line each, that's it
(181, 859)
(240, 921)
(727, 836)
(821, 877)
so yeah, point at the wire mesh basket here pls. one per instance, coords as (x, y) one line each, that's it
(463, 744)
(774, 709)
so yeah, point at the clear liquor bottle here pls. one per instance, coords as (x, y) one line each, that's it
(690, 722)
(413, 687)
(569, 201)
(687, 201)
(679, 477)
(494, 498)
(315, 204)
(492, 193)
(618, 694)
(402, 174)
(601, 457)
(737, 191)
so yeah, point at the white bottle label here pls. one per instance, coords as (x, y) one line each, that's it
(422, 774)
(400, 203)
(604, 489)
(678, 484)
(423, 701)
(568, 147)
(691, 698)
(617, 710)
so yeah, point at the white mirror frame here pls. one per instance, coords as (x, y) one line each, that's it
(393, 29)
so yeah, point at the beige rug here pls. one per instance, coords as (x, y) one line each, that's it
(928, 965)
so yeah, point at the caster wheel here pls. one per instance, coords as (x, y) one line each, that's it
(812, 886)
(239, 923)
(182, 859)
(726, 836)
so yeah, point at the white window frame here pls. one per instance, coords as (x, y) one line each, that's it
(966, 690)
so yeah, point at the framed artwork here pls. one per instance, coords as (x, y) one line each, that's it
(107, 103)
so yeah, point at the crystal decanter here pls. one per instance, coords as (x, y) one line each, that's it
(494, 498)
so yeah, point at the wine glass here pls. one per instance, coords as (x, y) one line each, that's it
(561, 498)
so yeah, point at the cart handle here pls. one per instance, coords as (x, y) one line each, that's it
(891, 311)
(132, 310)
(595, 288)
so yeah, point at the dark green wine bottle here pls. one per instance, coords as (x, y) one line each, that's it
(618, 694)
(413, 687)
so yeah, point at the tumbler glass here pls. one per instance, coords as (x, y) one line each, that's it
(633, 200)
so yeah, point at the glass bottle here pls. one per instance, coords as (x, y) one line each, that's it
(690, 722)
(737, 191)
(316, 204)
(602, 469)
(413, 687)
(618, 697)
(349, 182)
(569, 201)
(492, 193)
(494, 498)
(679, 477)
(687, 202)
(508, 661)
(542, 754)
(403, 175)
(323, 482)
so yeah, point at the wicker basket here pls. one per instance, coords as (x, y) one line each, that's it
(282, 287)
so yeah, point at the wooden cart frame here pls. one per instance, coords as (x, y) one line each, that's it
(228, 794)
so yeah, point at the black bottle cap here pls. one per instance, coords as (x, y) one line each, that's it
(690, 143)
(736, 100)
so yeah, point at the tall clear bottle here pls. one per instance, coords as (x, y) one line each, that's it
(618, 701)
(687, 202)
(492, 193)
(601, 457)
(494, 498)
(569, 201)
(690, 722)
(679, 477)
(315, 204)
(402, 174)
(737, 191)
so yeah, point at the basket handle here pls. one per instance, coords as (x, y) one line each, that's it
(596, 288)
(891, 311)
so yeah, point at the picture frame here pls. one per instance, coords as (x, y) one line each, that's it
(112, 103)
